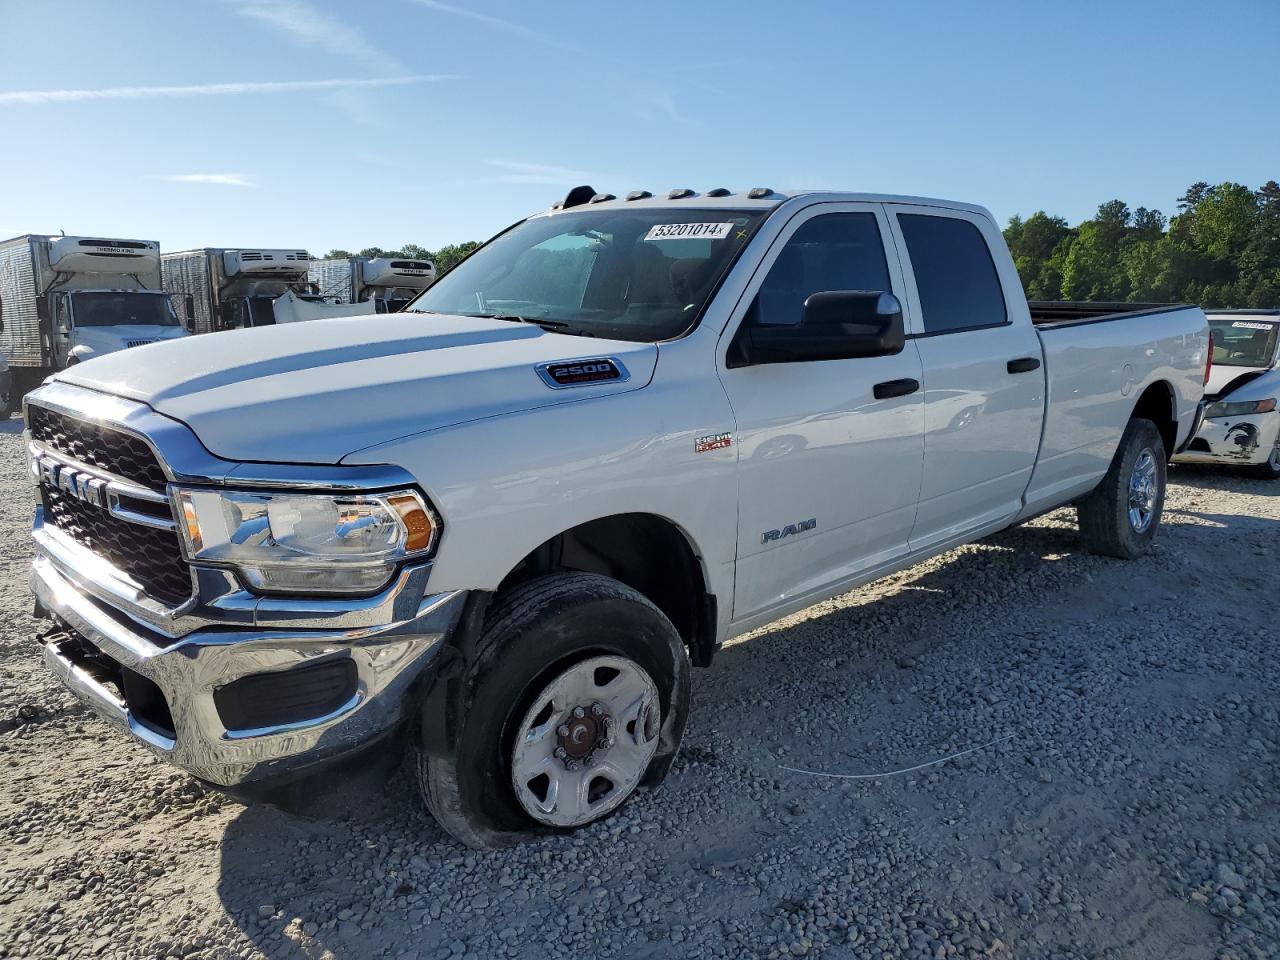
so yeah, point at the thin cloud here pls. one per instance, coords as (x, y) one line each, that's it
(210, 89)
(518, 171)
(221, 179)
(309, 25)
(497, 23)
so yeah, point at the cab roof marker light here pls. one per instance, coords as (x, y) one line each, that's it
(759, 193)
(679, 193)
(639, 195)
(603, 197)
(718, 192)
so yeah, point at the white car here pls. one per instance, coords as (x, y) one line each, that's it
(502, 525)
(1241, 424)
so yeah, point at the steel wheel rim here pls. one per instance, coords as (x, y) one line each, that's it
(568, 770)
(1274, 460)
(1142, 491)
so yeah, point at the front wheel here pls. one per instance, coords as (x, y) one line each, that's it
(1120, 517)
(576, 695)
(1271, 469)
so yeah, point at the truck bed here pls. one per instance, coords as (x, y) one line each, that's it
(1061, 313)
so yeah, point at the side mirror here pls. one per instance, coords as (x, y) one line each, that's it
(189, 313)
(836, 325)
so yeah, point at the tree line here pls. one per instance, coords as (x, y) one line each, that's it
(445, 258)
(1221, 249)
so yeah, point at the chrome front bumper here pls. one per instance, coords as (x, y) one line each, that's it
(388, 658)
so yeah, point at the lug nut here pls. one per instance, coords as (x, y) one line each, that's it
(561, 753)
(597, 710)
(579, 712)
(606, 743)
(562, 730)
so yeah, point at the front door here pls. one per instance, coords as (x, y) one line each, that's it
(984, 382)
(828, 474)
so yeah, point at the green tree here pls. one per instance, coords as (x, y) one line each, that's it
(337, 254)
(448, 257)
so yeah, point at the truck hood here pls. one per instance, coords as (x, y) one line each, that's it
(315, 392)
(1225, 380)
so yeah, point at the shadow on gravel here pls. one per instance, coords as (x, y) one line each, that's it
(381, 878)
(1236, 479)
(360, 884)
(11, 426)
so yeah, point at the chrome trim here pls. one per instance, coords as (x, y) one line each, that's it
(185, 459)
(388, 660)
(220, 599)
(544, 369)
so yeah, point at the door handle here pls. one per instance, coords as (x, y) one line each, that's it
(1023, 365)
(895, 388)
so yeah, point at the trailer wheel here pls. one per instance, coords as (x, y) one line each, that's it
(577, 694)
(1122, 514)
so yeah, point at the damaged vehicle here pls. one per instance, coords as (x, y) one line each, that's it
(494, 531)
(1241, 424)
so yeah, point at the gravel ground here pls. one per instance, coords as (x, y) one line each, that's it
(1129, 808)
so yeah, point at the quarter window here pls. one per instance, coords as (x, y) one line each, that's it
(835, 251)
(955, 275)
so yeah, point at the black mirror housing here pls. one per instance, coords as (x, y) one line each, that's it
(836, 325)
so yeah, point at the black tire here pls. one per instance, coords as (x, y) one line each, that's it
(530, 635)
(1271, 469)
(1104, 515)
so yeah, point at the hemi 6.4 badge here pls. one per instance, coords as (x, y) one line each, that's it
(580, 373)
(712, 441)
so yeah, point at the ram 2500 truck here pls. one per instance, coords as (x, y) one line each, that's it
(499, 527)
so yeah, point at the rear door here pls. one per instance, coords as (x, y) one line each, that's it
(983, 371)
(828, 473)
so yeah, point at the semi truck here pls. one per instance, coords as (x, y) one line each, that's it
(67, 299)
(217, 288)
(390, 282)
(496, 529)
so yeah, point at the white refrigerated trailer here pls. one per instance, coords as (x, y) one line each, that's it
(67, 299)
(221, 289)
(390, 282)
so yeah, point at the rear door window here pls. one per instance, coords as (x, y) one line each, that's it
(955, 276)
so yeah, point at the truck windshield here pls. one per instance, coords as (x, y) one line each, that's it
(116, 309)
(639, 275)
(1241, 342)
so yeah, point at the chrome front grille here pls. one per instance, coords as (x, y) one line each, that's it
(112, 451)
(104, 490)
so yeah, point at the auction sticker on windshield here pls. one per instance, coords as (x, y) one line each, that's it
(689, 231)
(1251, 325)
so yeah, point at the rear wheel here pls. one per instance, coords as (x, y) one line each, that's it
(576, 695)
(1121, 516)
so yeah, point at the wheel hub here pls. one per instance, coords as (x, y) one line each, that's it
(584, 735)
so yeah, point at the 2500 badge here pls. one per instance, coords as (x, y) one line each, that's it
(576, 373)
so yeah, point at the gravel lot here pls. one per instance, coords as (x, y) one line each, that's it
(1131, 810)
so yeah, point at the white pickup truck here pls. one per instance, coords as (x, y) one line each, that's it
(498, 528)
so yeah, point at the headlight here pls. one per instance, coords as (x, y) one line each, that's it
(1241, 408)
(307, 542)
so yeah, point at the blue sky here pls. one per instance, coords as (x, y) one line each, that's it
(304, 123)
